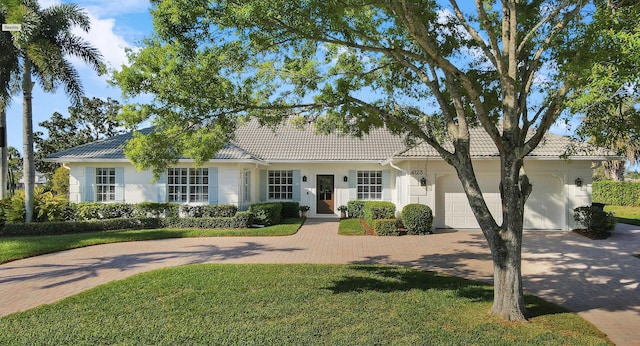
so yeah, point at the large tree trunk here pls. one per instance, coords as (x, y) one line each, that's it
(4, 162)
(29, 175)
(505, 241)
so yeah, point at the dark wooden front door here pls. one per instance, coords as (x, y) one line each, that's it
(324, 192)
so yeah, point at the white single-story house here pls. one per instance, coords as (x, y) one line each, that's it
(325, 171)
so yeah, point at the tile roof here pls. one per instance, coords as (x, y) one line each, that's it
(292, 143)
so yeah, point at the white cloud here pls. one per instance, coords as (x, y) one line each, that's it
(103, 37)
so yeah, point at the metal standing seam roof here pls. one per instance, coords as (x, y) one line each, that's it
(286, 142)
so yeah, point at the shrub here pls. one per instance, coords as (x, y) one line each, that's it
(622, 193)
(67, 227)
(266, 214)
(375, 210)
(209, 210)
(152, 209)
(596, 221)
(385, 227)
(289, 209)
(355, 209)
(417, 218)
(46, 207)
(240, 220)
(102, 211)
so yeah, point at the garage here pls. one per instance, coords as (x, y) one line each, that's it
(543, 209)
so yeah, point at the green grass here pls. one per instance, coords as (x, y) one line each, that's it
(350, 227)
(13, 248)
(628, 215)
(291, 305)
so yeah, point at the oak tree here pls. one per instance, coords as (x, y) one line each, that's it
(429, 70)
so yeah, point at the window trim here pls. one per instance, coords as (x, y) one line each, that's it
(111, 184)
(378, 185)
(289, 185)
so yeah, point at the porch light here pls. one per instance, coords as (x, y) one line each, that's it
(304, 178)
(578, 182)
(423, 181)
(345, 179)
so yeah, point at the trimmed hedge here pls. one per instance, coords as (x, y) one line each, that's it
(386, 227)
(375, 210)
(240, 220)
(208, 210)
(417, 218)
(104, 211)
(355, 209)
(153, 209)
(67, 227)
(623, 193)
(266, 214)
(290, 210)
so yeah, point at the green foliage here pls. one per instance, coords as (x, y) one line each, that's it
(47, 207)
(240, 220)
(152, 209)
(101, 211)
(386, 227)
(596, 221)
(266, 214)
(375, 210)
(290, 210)
(616, 193)
(60, 182)
(68, 227)
(208, 211)
(417, 218)
(90, 120)
(355, 209)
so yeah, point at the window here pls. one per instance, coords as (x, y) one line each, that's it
(246, 186)
(188, 185)
(280, 184)
(105, 184)
(369, 185)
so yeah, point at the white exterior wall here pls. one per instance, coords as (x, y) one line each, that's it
(558, 176)
(341, 188)
(404, 184)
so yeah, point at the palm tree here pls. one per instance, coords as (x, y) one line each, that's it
(45, 43)
(9, 67)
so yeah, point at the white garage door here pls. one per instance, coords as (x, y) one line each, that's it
(453, 209)
(543, 210)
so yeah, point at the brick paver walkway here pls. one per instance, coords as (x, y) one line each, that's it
(600, 280)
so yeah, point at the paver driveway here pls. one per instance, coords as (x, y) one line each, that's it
(598, 279)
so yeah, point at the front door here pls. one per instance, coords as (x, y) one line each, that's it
(324, 193)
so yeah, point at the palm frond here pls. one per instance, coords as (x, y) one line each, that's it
(76, 46)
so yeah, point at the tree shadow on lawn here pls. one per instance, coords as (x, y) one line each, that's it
(388, 279)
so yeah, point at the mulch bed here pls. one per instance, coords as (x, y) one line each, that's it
(367, 229)
(585, 233)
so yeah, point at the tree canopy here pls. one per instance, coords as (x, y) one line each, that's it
(89, 121)
(424, 69)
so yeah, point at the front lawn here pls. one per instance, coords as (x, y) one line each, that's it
(350, 227)
(628, 215)
(13, 248)
(291, 305)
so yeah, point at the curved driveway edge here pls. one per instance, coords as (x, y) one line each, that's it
(598, 279)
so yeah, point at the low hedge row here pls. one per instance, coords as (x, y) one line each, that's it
(67, 227)
(240, 220)
(100, 211)
(386, 227)
(622, 193)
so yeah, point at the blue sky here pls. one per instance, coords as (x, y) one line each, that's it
(115, 26)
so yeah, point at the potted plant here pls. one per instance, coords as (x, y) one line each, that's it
(303, 210)
(343, 211)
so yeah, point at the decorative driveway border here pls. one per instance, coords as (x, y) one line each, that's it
(598, 279)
